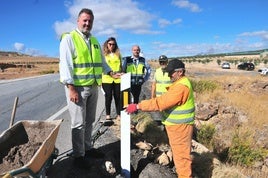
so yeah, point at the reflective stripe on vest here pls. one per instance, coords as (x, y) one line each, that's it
(137, 72)
(162, 81)
(183, 113)
(87, 68)
(114, 62)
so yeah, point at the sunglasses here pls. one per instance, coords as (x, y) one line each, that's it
(111, 44)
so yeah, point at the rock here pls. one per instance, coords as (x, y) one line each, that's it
(205, 111)
(157, 171)
(170, 155)
(199, 148)
(144, 145)
(163, 159)
(110, 167)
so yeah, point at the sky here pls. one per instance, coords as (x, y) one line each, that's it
(174, 28)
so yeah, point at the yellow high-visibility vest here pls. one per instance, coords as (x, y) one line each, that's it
(181, 113)
(114, 62)
(87, 67)
(162, 81)
(137, 71)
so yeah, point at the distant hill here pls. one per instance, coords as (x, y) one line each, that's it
(241, 53)
(254, 52)
(11, 53)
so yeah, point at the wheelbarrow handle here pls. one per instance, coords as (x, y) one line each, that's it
(13, 112)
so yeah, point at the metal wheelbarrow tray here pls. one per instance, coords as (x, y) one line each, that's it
(21, 133)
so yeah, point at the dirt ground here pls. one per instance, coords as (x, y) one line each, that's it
(21, 154)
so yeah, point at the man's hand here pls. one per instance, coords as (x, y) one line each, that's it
(131, 108)
(73, 94)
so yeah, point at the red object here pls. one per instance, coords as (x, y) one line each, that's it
(131, 108)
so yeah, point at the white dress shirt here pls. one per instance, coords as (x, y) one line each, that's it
(68, 53)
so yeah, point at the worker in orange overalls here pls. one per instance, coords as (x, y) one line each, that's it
(178, 108)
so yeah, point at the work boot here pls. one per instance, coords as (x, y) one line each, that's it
(94, 153)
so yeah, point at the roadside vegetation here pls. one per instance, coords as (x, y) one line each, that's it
(245, 152)
(248, 95)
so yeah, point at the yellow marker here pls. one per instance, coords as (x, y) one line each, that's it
(125, 99)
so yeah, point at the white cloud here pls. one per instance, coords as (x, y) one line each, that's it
(109, 17)
(33, 52)
(252, 40)
(19, 46)
(261, 34)
(176, 21)
(177, 50)
(62, 27)
(247, 41)
(187, 5)
(257, 45)
(114, 18)
(164, 22)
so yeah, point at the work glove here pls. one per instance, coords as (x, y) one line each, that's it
(131, 108)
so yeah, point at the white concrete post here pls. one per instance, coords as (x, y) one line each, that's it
(125, 126)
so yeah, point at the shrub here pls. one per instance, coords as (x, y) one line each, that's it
(203, 85)
(205, 135)
(218, 61)
(241, 151)
(51, 71)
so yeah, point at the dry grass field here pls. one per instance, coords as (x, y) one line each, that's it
(26, 66)
(253, 103)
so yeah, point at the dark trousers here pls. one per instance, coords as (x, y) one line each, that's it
(112, 90)
(136, 91)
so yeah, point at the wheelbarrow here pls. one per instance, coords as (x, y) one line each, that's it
(21, 133)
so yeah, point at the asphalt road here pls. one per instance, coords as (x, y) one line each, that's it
(38, 98)
(43, 98)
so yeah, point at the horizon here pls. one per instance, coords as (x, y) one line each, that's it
(256, 52)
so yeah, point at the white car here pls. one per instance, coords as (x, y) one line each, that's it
(225, 65)
(263, 71)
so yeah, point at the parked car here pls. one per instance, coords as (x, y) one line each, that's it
(225, 65)
(263, 71)
(246, 66)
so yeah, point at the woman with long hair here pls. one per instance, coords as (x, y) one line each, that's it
(111, 83)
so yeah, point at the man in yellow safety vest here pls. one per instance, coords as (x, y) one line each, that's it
(161, 80)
